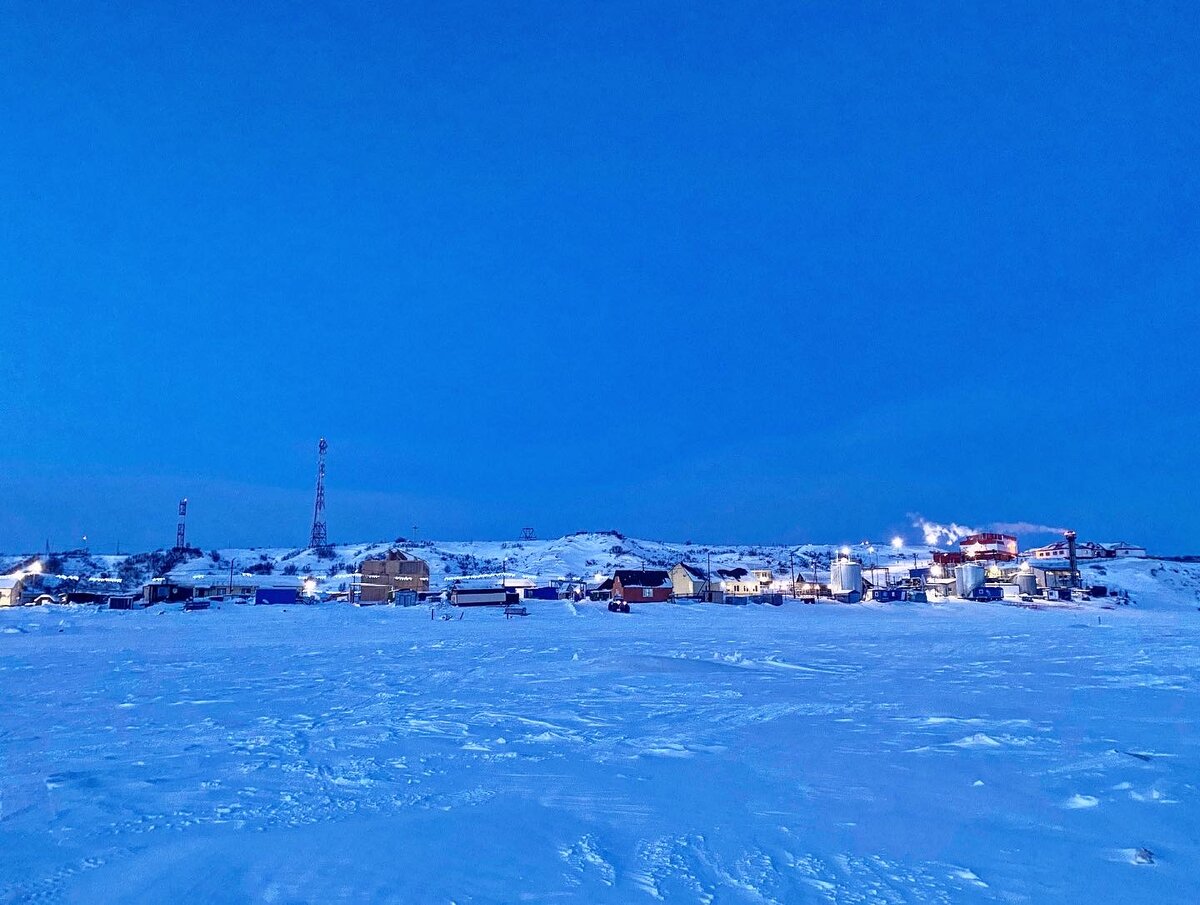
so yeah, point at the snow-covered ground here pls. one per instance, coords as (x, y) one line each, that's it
(847, 754)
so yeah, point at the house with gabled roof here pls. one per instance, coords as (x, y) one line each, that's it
(736, 582)
(642, 585)
(689, 580)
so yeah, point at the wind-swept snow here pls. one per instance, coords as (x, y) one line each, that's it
(682, 753)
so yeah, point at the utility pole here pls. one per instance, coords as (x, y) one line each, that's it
(792, 570)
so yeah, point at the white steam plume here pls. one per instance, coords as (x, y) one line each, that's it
(1025, 528)
(937, 534)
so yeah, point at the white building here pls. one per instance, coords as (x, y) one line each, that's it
(737, 582)
(765, 578)
(688, 581)
(11, 587)
(1059, 550)
(1123, 549)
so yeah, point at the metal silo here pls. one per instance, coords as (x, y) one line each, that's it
(1027, 583)
(967, 578)
(846, 577)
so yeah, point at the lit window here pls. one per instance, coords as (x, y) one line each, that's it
(647, 592)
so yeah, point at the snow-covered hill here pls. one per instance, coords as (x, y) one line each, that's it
(584, 555)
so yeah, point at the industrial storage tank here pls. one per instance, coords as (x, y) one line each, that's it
(1027, 583)
(967, 578)
(845, 577)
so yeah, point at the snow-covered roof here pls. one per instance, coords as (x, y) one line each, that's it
(734, 574)
(217, 579)
(643, 578)
(694, 572)
(8, 582)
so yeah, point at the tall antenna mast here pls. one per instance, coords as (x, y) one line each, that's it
(319, 539)
(181, 532)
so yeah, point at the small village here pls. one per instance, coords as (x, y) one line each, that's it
(983, 567)
(979, 567)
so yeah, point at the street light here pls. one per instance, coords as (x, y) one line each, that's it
(897, 542)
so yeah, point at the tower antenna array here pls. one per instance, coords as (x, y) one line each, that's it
(181, 530)
(319, 540)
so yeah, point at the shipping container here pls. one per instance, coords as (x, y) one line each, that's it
(483, 597)
(277, 595)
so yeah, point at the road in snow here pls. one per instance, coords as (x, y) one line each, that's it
(686, 753)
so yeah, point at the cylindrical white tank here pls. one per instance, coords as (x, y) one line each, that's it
(846, 577)
(967, 578)
(1027, 583)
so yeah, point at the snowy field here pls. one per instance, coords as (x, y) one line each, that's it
(848, 754)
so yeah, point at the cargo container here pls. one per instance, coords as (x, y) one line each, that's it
(277, 595)
(986, 592)
(484, 597)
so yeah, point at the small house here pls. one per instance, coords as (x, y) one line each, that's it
(602, 591)
(11, 588)
(689, 581)
(737, 582)
(642, 585)
(1061, 550)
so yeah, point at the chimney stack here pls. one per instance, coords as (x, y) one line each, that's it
(1072, 558)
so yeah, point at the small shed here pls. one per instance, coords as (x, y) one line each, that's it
(602, 591)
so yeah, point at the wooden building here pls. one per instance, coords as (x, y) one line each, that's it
(380, 578)
(689, 581)
(642, 585)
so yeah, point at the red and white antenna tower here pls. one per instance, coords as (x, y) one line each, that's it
(319, 540)
(180, 531)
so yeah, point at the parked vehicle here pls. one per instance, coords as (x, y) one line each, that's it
(617, 605)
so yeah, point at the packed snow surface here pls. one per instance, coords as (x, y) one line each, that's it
(844, 754)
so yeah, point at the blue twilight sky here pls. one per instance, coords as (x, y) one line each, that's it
(749, 271)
